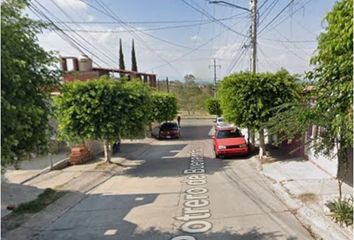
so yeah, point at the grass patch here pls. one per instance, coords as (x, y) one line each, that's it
(24, 211)
(341, 210)
(307, 197)
(44, 199)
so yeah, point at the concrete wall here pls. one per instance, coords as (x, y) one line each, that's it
(329, 163)
(95, 147)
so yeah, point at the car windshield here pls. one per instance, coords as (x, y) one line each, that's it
(229, 134)
(169, 126)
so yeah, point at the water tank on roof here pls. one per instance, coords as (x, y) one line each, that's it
(85, 63)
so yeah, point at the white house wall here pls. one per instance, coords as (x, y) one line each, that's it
(329, 163)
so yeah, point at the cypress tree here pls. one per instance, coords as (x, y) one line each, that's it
(121, 56)
(134, 65)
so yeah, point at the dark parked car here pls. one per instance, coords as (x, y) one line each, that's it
(169, 130)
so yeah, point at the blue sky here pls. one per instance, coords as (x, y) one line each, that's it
(188, 40)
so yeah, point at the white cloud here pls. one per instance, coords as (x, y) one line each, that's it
(71, 4)
(196, 38)
(227, 51)
(90, 18)
(108, 42)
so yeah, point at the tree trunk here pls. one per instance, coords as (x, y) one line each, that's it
(342, 169)
(251, 139)
(261, 143)
(340, 183)
(107, 151)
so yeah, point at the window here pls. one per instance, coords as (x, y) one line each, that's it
(229, 134)
(169, 126)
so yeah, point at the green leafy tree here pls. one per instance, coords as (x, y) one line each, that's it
(248, 100)
(333, 91)
(164, 107)
(213, 106)
(333, 77)
(102, 109)
(189, 78)
(121, 56)
(28, 73)
(134, 64)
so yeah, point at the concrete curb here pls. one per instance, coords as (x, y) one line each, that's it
(64, 163)
(319, 227)
(56, 166)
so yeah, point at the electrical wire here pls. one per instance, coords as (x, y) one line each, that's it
(204, 12)
(276, 16)
(69, 39)
(81, 37)
(114, 16)
(291, 14)
(268, 10)
(240, 15)
(133, 30)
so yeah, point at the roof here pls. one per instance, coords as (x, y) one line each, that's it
(120, 71)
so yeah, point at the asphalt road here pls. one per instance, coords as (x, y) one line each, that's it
(157, 200)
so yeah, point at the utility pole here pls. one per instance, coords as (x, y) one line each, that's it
(253, 60)
(168, 87)
(254, 35)
(215, 66)
(254, 71)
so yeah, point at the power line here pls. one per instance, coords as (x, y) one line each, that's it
(262, 5)
(146, 29)
(238, 60)
(266, 59)
(290, 41)
(71, 40)
(291, 14)
(81, 37)
(204, 12)
(114, 16)
(133, 30)
(268, 10)
(195, 49)
(281, 11)
(240, 15)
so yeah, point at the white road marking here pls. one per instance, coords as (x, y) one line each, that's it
(110, 232)
(194, 214)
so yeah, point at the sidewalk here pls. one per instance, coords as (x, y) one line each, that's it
(306, 188)
(21, 186)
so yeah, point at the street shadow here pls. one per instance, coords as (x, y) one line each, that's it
(192, 133)
(278, 154)
(13, 194)
(252, 234)
(122, 217)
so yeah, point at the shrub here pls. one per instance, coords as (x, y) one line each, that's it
(342, 210)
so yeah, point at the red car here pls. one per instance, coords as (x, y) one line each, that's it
(229, 141)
